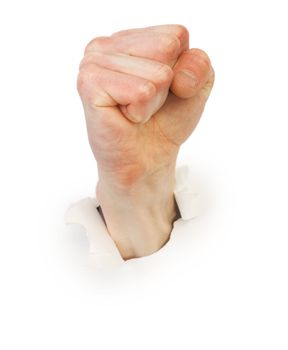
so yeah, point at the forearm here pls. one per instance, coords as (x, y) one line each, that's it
(140, 217)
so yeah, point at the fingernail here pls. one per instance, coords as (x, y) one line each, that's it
(191, 76)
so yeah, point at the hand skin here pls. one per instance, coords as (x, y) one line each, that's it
(143, 93)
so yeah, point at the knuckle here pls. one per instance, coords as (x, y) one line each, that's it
(85, 60)
(182, 31)
(145, 92)
(87, 77)
(90, 88)
(164, 74)
(90, 58)
(202, 57)
(170, 46)
(95, 44)
(82, 80)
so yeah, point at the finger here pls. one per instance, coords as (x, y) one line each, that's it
(192, 71)
(161, 47)
(172, 29)
(158, 73)
(100, 87)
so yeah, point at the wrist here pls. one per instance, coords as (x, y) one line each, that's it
(139, 217)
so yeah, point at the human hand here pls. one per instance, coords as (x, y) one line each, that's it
(135, 123)
(143, 93)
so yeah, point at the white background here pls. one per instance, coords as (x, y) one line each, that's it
(233, 292)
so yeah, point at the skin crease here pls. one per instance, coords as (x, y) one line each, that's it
(141, 100)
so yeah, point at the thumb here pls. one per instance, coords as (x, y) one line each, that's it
(192, 72)
(192, 83)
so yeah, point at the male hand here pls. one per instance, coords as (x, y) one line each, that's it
(143, 93)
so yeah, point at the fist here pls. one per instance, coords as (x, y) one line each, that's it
(143, 93)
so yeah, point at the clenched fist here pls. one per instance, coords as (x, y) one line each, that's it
(143, 93)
